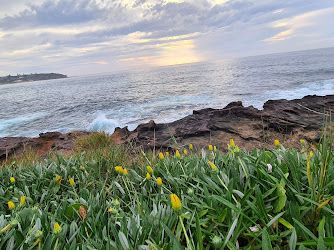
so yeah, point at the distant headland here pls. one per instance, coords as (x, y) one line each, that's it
(30, 77)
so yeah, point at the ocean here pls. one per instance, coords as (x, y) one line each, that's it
(102, 102)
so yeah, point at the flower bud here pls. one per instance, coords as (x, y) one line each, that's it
(11, 205)
(161, 156)
(38, 234)
(176, 203)
(22, 200)
(302, 142)
(149, 169)
(276, 142)
(57, 229)
(14, 223)
(35, 209)
(115, 203)
(71, 181)
(216, 242)
(190, 191)
(159, 181)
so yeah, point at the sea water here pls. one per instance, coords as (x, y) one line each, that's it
(104, 101)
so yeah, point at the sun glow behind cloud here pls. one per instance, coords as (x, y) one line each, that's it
(170, 53)
(179, 53)
(97, 35)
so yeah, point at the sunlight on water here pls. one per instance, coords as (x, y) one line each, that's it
(105, 101)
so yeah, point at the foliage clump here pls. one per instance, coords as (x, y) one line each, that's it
(102, 198)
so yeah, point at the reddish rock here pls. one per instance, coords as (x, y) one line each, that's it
(287, 121)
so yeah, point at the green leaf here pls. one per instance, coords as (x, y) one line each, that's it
(279, 204)
(328, 241)
(260, 204)
(266, 242)
(306, 230)
(171, 236)
(48, 242)
(293, 240)
(321, 227)
(231, 231)
(72, 210)
(10, 243)
(198, 233)
(56, 188)
(123, 240)
(19, 238)
(202, 213)
(222, 216)
(321, 244)
(302, 247)
(285, 223)
(273, 220)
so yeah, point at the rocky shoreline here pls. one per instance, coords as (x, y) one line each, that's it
(285, 120)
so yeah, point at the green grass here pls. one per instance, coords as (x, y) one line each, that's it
(239, 202)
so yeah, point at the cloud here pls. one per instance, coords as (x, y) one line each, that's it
(101, 62)
(304, 25)
(135, 33)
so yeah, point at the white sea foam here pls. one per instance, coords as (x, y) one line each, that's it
(8, 124)
(103, 102)
(102, 123)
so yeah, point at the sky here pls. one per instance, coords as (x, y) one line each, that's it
(80, 37)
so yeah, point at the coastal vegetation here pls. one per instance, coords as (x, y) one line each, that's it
(30, 77)
(104, 196)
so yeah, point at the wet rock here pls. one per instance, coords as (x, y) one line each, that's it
(285, 120)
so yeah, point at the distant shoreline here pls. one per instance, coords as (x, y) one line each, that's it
(30, 78)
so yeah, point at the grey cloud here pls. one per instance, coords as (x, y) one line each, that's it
(216, 26)
(63, 12)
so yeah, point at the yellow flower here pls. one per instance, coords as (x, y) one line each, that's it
(311, 154)
(82, 167)
(185, 152)
(213, 166)
(125, 171)
(232, 143)
(58, 178)
(214, 148)
(11, 205)
(161, 156)
(167, 154)
(71, 181)
(22, 200)
(148, 176)
(210, 147)
(119, 169)
(110, 209)
(276, 142)
(177, 154)
(5, 229)
(190, 146)
(12, 179)
(176, 203)
(159, 181)
(302, 142)
(37, 241)
(149, 169)
(57, 228)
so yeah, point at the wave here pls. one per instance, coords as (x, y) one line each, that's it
(7, 124)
